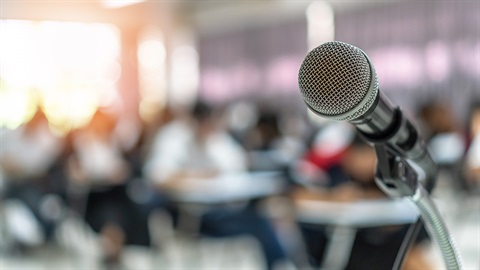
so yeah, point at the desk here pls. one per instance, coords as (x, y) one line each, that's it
(346, 218)
(198, 200)
(359, 214)
(229, 188)
(197, 196)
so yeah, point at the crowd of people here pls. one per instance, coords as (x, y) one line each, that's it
(115, 174)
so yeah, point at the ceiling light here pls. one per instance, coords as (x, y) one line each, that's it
(119, 3)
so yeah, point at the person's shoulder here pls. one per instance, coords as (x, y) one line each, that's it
(175, 128)
(222, 137)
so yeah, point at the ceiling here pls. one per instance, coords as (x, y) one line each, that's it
(91, 10)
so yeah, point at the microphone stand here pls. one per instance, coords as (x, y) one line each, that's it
(397, 178)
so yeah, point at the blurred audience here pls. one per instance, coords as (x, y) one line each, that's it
(98, 166)
(123, 172)
(270, 147)
(196, 147)
(32, 164)
(354, 180)
(445, 139)
(320, 165)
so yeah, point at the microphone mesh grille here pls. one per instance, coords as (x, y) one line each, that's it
(334, 78)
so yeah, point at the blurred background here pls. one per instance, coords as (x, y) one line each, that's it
(172, 135)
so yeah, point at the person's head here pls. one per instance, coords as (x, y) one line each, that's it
(474, 119)
(438, 118)
(101, 125)
(39, 119)
(359, 161)
(267, 126)
(203, 115)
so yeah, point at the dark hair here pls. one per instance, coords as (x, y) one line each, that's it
(474, 106)
(359, 141)
(202, 111)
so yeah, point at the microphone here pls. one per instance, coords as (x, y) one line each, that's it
(338, 82)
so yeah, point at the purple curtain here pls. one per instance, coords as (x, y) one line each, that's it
(252, 62)
(422, 50)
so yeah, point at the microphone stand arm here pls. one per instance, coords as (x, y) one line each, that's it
(397, 179)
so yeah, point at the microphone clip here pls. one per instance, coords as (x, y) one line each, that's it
(394, 175)
(398, 179)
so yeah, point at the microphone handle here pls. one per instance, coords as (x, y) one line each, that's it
(386, 124)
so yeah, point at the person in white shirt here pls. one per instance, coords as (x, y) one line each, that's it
(99, 167)
(29, 159)
(197, 147)
(445, 139)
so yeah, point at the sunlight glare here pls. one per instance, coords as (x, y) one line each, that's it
(64, 67)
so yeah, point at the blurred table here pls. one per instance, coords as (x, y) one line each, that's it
(359, 214)
(229, 188)
(197, 196)
(345, 218)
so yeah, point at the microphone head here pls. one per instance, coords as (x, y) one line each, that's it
(337, 81)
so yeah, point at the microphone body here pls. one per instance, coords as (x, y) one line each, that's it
(338, 81)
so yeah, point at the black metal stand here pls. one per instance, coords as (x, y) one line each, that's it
(396, 177)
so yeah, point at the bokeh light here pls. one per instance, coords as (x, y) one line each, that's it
(66, 68)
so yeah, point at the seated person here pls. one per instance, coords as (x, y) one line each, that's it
(445, 140)
(373, 248)
(31, 164)
(98, 167)
(472, 159)
(195, 147)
